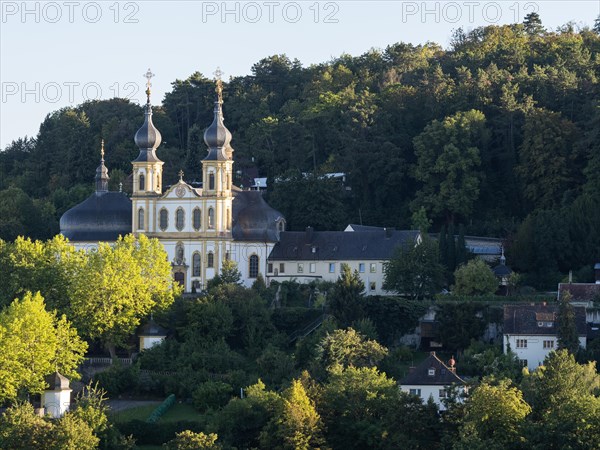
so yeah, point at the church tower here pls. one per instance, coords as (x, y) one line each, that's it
(147, 170)
(217, 169)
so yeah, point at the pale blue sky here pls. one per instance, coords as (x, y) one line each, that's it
(59, 53)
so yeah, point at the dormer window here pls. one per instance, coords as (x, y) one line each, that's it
(431, 372)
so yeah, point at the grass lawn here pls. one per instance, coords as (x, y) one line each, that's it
(178, 411)
(181, 411)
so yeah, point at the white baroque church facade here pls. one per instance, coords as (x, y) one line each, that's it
(198, 227)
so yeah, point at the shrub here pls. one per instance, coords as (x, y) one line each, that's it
(211, 395)
(118, 379)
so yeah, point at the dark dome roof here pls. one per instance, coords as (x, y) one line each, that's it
(151, 328)
(254, 219)
(56, 382)
(501, 270)
(103, 216)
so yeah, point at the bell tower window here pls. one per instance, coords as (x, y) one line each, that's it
(211, 182)
(141, 219)
(142, 182)
(211, 218)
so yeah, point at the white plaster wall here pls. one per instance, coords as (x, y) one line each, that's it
(429, 391)
(56, 403)
(321, 271)
(534, 353)
(149, 342)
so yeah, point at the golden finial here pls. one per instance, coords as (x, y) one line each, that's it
(148, 75)
(219, 89)
(102, 149)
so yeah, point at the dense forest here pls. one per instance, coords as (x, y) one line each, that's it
(498, 132)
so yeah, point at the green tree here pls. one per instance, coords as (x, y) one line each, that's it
(73, 433)
(414, 271)
(533, 24)
(230, 274)
(548, 161)
(45, 266)
(566, 409)
(568, 336)
(474, 278)
(349, 348)
(298, 426)
(494, 418)
(448, 164)
(35, 343)
(347, 296)
(188, 440)
(118, 286)
(22, 429)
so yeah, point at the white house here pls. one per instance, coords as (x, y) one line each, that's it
(318, 255)
(433, 379)
(531, 332)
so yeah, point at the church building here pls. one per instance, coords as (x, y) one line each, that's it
(198, 227)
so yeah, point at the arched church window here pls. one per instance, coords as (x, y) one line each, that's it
(210, 260)
(211, 218)
(197, 219)
(142, 182)
(253, 266)
(211, 181)
(281, 225)
(179, 219)
(196, 265)
(163, 220)
(141, 219)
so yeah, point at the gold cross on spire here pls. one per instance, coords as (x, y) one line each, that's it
(180, 175)
(102, 149)
(148, 75)
(219, 89)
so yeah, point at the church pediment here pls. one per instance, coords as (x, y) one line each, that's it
(181, 190)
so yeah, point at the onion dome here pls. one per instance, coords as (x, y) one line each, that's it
(102, 173)
(217, 137)
(253, 218)
(147, 138)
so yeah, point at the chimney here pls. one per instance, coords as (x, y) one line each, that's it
(597, 271)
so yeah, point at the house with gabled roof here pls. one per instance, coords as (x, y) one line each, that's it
(531, 331)
(433, 379)
(309, 255)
